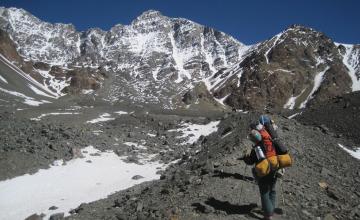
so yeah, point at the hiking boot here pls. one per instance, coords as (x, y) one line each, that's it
(279, 211)
(267, 217)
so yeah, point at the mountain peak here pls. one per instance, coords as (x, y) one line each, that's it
(16, 13)
(302, 30)
(149, 14)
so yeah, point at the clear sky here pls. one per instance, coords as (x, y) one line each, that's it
(248, 21)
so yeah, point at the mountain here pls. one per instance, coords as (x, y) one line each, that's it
(166, 54)
(293, 69)
(176, 63)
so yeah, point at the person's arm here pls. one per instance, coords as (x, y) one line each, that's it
(250, 159)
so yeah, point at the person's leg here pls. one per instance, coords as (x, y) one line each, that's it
(272, 193)
(266, 203)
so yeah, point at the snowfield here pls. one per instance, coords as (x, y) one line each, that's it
(87, 179)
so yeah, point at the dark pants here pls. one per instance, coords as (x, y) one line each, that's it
(268, 193)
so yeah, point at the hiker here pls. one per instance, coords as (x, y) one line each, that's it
(270, 157)
(267, 182)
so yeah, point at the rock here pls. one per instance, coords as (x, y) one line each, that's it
(204, 208)
(325, 172)
(323, 185)
(329, 217)
(120, 216)
(332, 194)
(208, 168)
(57, 216)
(216, 164)
(34, 217)
(53, 208)
(324, 129)
(76, 152)
(307, 213)
(139, 206)
(137, 177)
(286, 128)
(79, 208)
(355, 213)
(226, 131)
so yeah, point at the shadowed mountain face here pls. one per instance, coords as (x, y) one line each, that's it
(176, 63)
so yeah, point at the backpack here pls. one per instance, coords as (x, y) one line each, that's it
(270, 152)
(269, 127)
(265, 153)
(269, 134)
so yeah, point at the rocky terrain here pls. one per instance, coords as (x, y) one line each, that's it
(213, 184)
(338, 115)
(207, 181)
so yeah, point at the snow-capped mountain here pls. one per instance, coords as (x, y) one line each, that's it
(174, 62)
(153, 49)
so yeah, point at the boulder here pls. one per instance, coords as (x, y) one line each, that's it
(57, 216)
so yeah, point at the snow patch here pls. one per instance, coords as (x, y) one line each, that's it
(350, 60)
(121, 113)
(294, 115)
(38, 91)
(3, 79)
(97, 132)
(276, 39)
(28, 77)
(290, 104)
(27, 100)
(34, 102)
(317, 82)
(179, 60)
(151, 135)
(87, 91)
(52, 83)
(136, 145)
(286, 71)
(193, 131)
(101, 118)
(355, 153)
(53, 113)
(221, 101)
(67, 186)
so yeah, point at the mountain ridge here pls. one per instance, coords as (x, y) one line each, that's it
(162, 60)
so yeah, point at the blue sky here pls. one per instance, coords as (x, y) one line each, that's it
(248, 21)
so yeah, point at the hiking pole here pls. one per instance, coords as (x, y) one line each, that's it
(282, 192)
(242, 186)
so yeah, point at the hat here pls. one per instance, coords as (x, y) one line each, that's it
(264, 119)
(255, 136)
